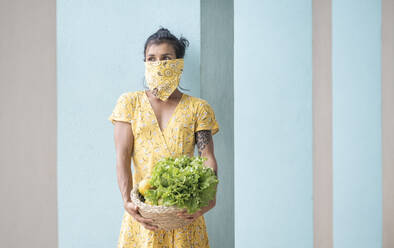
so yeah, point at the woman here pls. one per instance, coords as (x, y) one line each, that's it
(156, 123)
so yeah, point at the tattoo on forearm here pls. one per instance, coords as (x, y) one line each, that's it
(202, 139)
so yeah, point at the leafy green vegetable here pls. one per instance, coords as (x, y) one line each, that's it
(184, 182)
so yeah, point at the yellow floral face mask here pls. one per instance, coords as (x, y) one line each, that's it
(163, 76)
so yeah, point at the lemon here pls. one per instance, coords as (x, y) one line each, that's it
(144, 186)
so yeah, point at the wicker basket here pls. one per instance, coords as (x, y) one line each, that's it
(164, 217)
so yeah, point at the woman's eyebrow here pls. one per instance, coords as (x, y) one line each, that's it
(165, 54)
(161, 54)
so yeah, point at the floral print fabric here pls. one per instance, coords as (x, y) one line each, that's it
(150, 144)
(163, 76)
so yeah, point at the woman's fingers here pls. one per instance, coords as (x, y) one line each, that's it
(137, 215)
(151, 227)
(140, 218)
(187, 216)
(145, 222)
(131, 208)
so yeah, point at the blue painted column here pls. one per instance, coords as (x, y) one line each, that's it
(99, 56)
(273, 123)
(356, 63)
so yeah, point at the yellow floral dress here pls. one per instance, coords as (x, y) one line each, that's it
(150, 144)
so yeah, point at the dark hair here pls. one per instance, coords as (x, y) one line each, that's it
(163, 35)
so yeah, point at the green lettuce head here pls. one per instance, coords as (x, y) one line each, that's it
(184, 182)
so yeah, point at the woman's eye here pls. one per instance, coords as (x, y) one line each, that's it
(150, 59)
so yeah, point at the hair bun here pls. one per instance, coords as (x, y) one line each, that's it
(184, 42)
(164, 35)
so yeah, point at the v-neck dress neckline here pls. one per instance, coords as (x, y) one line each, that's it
(171, 117)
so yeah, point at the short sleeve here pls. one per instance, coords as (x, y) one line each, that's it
(206, 119)
(123, 109)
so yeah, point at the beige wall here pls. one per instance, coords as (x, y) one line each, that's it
(322, 125)
(28, 209)
(388, 121)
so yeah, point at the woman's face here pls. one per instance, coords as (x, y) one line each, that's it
(163, 51)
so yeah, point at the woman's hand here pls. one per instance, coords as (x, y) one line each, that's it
(191, 217)
(132, 209)
(197, 214)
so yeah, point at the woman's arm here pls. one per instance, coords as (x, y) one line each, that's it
(123, 137)
(205, 147)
